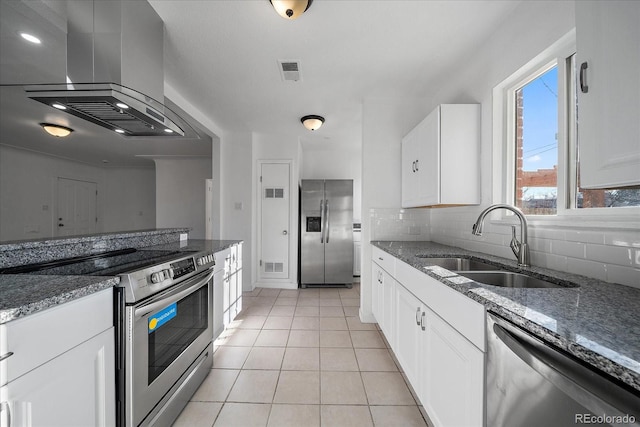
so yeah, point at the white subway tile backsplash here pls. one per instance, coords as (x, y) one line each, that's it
(618, 255)
(610, 254)
(629, 276)
(540, 245)
(547, 260)
(594, 269)
(596, 237)
(623, 238)
(400, 224)
(570, 249)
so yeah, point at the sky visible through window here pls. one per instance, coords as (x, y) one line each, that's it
(540, 130)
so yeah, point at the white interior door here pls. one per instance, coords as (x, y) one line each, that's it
(77, 205)
(275, 221)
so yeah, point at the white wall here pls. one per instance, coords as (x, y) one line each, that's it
(130, 199)
(236, 202)
(28, 194)
(385, 122)
(334, 163)
(180, 193)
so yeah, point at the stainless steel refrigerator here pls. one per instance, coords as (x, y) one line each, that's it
(326, 232)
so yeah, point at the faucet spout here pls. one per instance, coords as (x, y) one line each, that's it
(520, 248)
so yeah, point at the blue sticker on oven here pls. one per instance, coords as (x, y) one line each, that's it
(162, 317)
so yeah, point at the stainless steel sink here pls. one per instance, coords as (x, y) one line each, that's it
(508, 279)
(459, 264)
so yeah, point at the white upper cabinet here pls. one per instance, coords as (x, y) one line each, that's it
(441, 158)
(608, 61)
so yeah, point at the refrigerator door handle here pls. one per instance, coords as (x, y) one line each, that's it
(321, 221)
(326, 216)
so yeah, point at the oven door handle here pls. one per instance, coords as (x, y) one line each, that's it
(164, 300)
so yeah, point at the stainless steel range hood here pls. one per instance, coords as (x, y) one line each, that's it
(115, 75)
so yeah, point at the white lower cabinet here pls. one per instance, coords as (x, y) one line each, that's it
(409, 346)
(383, 301)
(453, 396)
(76, 388)
(228, 287)
(438, 339)
(65, 374)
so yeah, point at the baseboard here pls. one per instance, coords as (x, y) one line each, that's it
(275, 285)
(366, 317)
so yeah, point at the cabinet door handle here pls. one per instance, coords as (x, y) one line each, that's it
(417, 165)
(418, 316)
(422, 320)
(413, 166)
(584, 87)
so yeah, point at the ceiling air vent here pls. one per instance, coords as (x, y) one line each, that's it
(290, 70)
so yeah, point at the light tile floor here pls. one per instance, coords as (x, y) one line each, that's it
(302, 358)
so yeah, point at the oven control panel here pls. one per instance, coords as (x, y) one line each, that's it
(205, 259)
(182, 267)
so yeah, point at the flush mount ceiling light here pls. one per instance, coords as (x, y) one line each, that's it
(30, 38)
(312, 122)
(56, 130)
(291, 9)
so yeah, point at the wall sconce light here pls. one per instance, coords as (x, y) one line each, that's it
(56, 130)
(312, 122)
(291, 9)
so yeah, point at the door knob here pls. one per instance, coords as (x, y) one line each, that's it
(285, 232)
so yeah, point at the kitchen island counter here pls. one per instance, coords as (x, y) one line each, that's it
(25, 294)
(596, 322)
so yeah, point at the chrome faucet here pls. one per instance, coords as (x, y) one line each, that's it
(520, 248)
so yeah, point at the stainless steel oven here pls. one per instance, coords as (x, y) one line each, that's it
(167, 338)
(163, 316)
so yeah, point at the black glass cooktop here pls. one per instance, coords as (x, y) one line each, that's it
(103, 264)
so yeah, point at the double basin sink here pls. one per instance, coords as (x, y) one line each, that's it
(490, 274)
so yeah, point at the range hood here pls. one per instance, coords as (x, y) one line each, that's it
(115, 75)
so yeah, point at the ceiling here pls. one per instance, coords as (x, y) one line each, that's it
(222, 56)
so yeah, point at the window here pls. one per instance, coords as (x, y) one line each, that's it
(538, 141)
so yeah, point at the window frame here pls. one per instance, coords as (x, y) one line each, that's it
(504, 145)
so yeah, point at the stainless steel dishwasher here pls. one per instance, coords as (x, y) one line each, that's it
(531, 384)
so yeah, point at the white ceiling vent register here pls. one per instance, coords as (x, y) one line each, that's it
(290, 70)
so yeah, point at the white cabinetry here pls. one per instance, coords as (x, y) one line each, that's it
(608, 33)
(438, 338)
(65, 373)
(357, 252)
(227, 291)
(451, 396)
(441, 158)
(383, 293)
(409, 347)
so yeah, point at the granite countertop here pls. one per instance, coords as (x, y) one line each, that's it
(596, 322)
(195, 245)
(25, 294)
